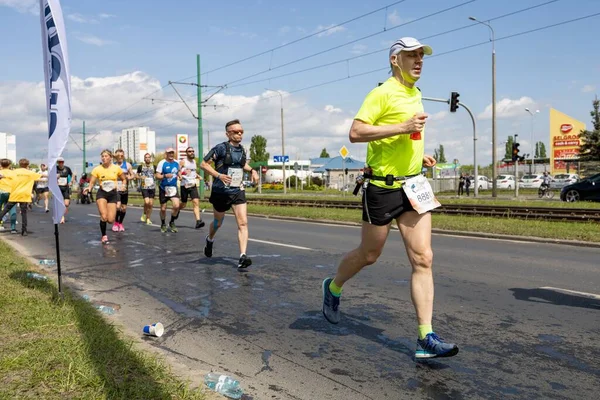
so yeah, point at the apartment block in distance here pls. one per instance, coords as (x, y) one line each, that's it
(8, 146)
(136, 142)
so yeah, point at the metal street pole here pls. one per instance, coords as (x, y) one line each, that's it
(493, 40)
(476, 170)
(516, 171)
(84, 160)
(282, 140)
(532, 140)
(200, 144)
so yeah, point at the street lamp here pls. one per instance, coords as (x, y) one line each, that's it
(493, 40)
(532, 143)
(282, 139)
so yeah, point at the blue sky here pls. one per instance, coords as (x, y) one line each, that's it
(121, 51)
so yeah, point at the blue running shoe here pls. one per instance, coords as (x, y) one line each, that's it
(434, 346)
(331, 303)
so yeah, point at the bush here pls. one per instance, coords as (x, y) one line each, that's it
(315, 180)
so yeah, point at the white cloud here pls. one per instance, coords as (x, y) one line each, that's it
(588, 88)
(330, 30)
(24, 6)
(103, 103)
(232, 32)
(359, 49)
(394, 18)
(507, 108)
(93, 40)
(331, 109)
(76, 17)
(104, 15)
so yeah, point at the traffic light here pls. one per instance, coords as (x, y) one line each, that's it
(454, 101)
(515, 151)
(346, 171)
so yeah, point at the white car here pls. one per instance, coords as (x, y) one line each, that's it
(505, 182)
(561, 180)
(484, 183)
(532, 181)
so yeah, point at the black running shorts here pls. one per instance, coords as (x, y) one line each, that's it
(223, 201)
(381, 206)
(189, 193)
(123, 197)
(148, 193)
(162, 196)
(66, 192)
(110, 197)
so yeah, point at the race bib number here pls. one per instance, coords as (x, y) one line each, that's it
(189, 184)
(419, 193)
(62, 181)
(148, 182)
(108, 186)
(171, 191)
(237, 175)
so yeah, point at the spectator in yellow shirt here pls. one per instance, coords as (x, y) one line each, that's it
(5, 186)
(21, 187)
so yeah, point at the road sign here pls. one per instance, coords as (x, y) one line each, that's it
(296, 167)
(344, 152)
(281, 158)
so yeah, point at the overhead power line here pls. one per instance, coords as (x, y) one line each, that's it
(345, 60)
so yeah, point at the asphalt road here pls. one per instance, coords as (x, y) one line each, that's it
(514, 308)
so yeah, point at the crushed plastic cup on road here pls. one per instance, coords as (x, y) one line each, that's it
(34, 275)
(47, 261)
(156, 329)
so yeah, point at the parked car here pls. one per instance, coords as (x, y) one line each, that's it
(585, 189)
(505, 182)
(562, 180)
(532, 181)
(484, 183)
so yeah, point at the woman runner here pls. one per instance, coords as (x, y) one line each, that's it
(107, 175)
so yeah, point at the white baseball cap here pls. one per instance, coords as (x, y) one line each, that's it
(409, 44)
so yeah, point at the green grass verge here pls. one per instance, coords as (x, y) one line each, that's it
(64, 349)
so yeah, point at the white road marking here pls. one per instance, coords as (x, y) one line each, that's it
(280, 244)
(567, 291)
(94, 215)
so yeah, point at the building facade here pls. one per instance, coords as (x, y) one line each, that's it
(8, 146)
(136, 142)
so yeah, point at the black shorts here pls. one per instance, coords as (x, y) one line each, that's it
(189, 192)
(123, 197)
(66, 192)
(223, 201)
(110, 197)
(381, 206)
(41, 190)
(148, 193)
(162, 196)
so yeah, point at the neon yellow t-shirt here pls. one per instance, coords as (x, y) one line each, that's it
(6, 182)
(112, 173)
(401, 155)
(22, 184)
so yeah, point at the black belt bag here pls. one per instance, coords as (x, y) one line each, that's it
(389, 179)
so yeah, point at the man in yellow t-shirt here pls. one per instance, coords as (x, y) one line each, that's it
(20, 192)
(392, 122)
(5, 186)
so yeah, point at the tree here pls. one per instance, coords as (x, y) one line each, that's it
(324, 153)
(509, 142)
(258, 149)
(540, 150)
(158, 157)
(589, 148)
(439, 155)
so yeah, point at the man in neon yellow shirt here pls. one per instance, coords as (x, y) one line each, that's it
(21, 187)
(392, 122)
(5, 186)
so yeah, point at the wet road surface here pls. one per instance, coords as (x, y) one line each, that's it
(515, 309)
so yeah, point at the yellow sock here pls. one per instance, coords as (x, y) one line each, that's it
(424, 330)
(335, 289)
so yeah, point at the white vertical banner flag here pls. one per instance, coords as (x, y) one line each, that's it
(58, 93)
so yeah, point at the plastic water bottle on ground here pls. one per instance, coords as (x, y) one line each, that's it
(47, 261)
(224, 384)
(34, 275)
(106, 309)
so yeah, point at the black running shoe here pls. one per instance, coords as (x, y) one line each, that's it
(331, 304)
(208, 248)
(244, 262)
(200, 224)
